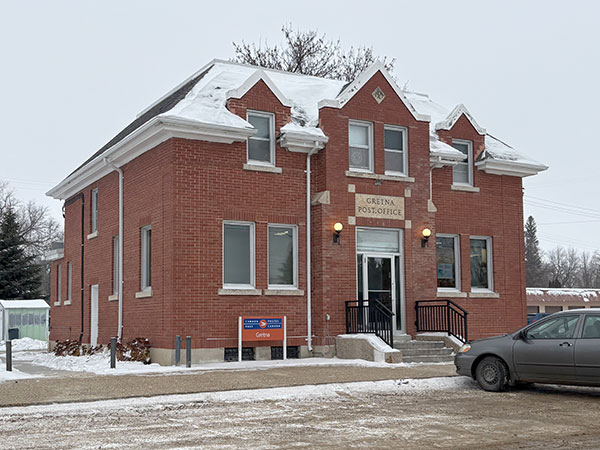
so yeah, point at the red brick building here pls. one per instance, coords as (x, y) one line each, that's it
(216, 219)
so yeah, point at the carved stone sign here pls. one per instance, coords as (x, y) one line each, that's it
(379, 206)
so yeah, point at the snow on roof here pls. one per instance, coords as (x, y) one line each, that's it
(24, 304)
(496, 149)
(562, 294)
(206, 102)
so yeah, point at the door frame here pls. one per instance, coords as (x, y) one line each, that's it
(365, 268)
(94, 314)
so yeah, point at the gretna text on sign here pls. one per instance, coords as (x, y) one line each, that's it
(379, 206)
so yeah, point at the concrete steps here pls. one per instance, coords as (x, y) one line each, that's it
(424, 351)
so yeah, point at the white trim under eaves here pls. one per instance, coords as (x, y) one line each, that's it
(148, 136)
(302, 142)
(453, 117)
(361, 80)
(251, 81)
(510, 168)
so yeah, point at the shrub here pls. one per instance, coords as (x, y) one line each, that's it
(136, 350)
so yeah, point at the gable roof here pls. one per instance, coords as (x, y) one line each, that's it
(197, 109)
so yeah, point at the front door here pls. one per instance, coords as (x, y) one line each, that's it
(94, 315)
(377, 281)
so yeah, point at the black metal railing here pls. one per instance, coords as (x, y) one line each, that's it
(370, 317)
(442, 315)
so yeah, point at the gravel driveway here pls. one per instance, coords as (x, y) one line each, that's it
(431, 413)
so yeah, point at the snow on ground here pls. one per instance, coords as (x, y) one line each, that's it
(100, 364)
(14, 375)
(25, 344)
(294, 393)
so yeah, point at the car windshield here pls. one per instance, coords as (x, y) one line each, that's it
(561, 327)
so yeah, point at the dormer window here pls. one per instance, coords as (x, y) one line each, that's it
(261, 146)
(360, 139)
(396, 161)
(462, 172)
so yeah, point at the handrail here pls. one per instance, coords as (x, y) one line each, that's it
(370, 317)
(442, 315)
(445, 300)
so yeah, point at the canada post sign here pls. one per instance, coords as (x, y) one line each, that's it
(379, 206)
(262, 329)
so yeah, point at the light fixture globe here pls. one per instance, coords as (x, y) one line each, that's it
(426, 232)
(338, 227)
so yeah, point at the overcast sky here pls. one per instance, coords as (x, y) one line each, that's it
(75, 73)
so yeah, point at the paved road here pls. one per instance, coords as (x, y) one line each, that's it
(458, 416)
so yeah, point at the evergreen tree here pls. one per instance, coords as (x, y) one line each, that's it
(19, 273)
(533, 258)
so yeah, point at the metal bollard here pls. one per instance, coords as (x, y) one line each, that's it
(113, 352)
(177, 349)
(188, 351)
(9, 356)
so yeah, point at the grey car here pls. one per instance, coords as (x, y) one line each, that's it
(563, 348)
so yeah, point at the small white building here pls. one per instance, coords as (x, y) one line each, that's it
(30, 318)
(551, 300)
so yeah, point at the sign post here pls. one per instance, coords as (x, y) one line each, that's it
(262, 329)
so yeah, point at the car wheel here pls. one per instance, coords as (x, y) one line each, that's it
(491, 374)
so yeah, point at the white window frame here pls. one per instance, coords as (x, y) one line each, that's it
(469, 162)
(489, 262)
(94, 207)
(69, 283)
(58, 284)
(295, 250)
(252, 227)
(115, 265)
(457, 260)
(404, 152)
(369, 126)
(271, 117)
(146, 263)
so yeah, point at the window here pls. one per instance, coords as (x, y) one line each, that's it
(69, 281)
(533, 309)
(591, 328)
(552, 309)
(146, 243)
(462, 172)
(116, 265)
(58, 283)
(283, 256)
(481, 264)
(448, 262)
(361, 146)
(396, 150)
(238, 255)
(94, 210)
(561, 327)
(261, 146)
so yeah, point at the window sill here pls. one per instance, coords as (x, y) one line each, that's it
(484, 294)
(112, 298)
(464, 188)
(375, 176)
(451, 294)
(92, 235)
(67, 303)
(144, 294)
(289, 292)
(261, 168)
(227, 291)
(56, 303)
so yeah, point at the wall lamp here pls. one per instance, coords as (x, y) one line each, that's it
(337, 228)
(426, 233)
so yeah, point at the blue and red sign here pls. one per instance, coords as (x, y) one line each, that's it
(262, 328)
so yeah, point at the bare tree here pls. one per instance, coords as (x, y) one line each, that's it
(309, 53)
(563, 265)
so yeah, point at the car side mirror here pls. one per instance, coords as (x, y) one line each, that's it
(522, 335)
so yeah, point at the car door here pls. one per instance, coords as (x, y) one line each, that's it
(545, 351)
(587, 351)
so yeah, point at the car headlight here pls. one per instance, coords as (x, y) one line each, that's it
(465, 348)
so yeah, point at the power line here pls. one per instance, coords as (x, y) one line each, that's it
(568, 205)
(568, 223)
(563, 210)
